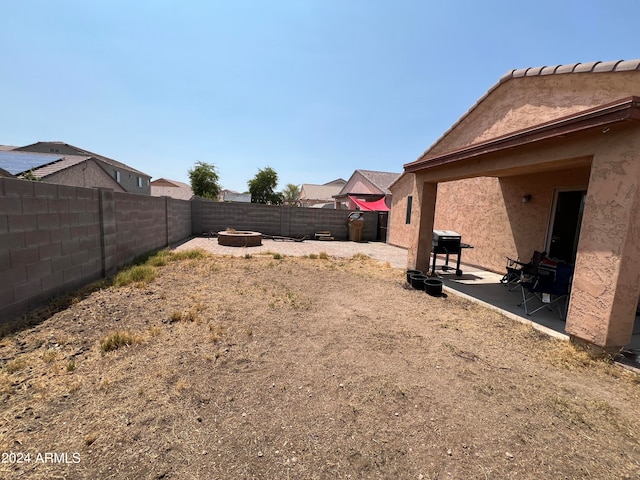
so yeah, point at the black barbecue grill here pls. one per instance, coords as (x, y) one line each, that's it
(447, 242)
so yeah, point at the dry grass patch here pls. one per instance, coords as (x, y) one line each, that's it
(289, 368)
(119, 339)
(15, 365)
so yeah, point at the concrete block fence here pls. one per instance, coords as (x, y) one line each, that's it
(209, 216)
(55, 238)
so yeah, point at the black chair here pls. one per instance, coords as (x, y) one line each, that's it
(516, 270)
(548, 288)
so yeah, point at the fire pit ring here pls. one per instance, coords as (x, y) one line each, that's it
(239, 238)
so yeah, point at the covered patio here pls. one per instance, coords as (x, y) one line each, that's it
(596, 152)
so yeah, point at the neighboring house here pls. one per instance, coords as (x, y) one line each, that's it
(320, 196)
(233, 196)
(61, 163)
(366, 186)
(548, 159)
(164, 187)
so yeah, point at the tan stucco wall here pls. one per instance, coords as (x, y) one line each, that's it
(481, 197)
(85, 174)
(524, 102)
(489, 214)
(401, 233)
(607, 281)
(359, 185)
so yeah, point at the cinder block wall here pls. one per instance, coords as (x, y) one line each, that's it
(178, 219)
(209, 216)
(141, 225)
(54, 238)
(50, 242)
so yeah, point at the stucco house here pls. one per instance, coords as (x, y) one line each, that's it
(64, 164)
(548, 159)
(320, 196)
(367, 186)
(163, 187)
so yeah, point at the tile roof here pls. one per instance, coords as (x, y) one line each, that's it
(337, 181)
(81, 151)
(591, 67)
(382, 180)
(319, 192)
(164, 181)
(163, 187)
(56, 166)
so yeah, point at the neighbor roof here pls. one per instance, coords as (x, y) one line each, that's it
(381, 180)
(42, 164)
(171, 188)
(163, 182)
(81, 151)
(320, 192)
(337, 181)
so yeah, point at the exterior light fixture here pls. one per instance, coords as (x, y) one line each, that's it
(526, 198)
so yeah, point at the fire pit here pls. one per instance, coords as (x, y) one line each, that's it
(239, 238)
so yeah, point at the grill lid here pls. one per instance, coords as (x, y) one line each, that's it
(446, 235)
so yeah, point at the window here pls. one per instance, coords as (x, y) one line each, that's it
(116, 174)
(140, 182)
(409, 204)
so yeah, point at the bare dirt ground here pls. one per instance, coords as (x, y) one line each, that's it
(274, 368)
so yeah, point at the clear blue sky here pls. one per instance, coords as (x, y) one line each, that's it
(312, 88)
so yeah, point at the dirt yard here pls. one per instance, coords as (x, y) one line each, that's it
(303, 368)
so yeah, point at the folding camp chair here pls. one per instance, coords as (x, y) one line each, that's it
(516, 270)
(548, 288)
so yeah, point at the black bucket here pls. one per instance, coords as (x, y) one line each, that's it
(417, 281)
(410, 273)
(433, 286)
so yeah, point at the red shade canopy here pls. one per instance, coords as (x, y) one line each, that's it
(376, 206)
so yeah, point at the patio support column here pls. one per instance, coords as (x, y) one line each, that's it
(606, 284)
(420, 247)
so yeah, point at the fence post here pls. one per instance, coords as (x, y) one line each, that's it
(196, 216)
(285, 220)
(108, 243)
(166, 220)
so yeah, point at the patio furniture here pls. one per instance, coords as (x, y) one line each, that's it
(517, 269)
(548, 288)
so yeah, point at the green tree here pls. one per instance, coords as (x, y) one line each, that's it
(205, 181)
(263, 187)
(290, 194)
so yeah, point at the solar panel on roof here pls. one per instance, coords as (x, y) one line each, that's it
(18, 162)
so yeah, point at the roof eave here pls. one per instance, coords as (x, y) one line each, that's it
(627, 109)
